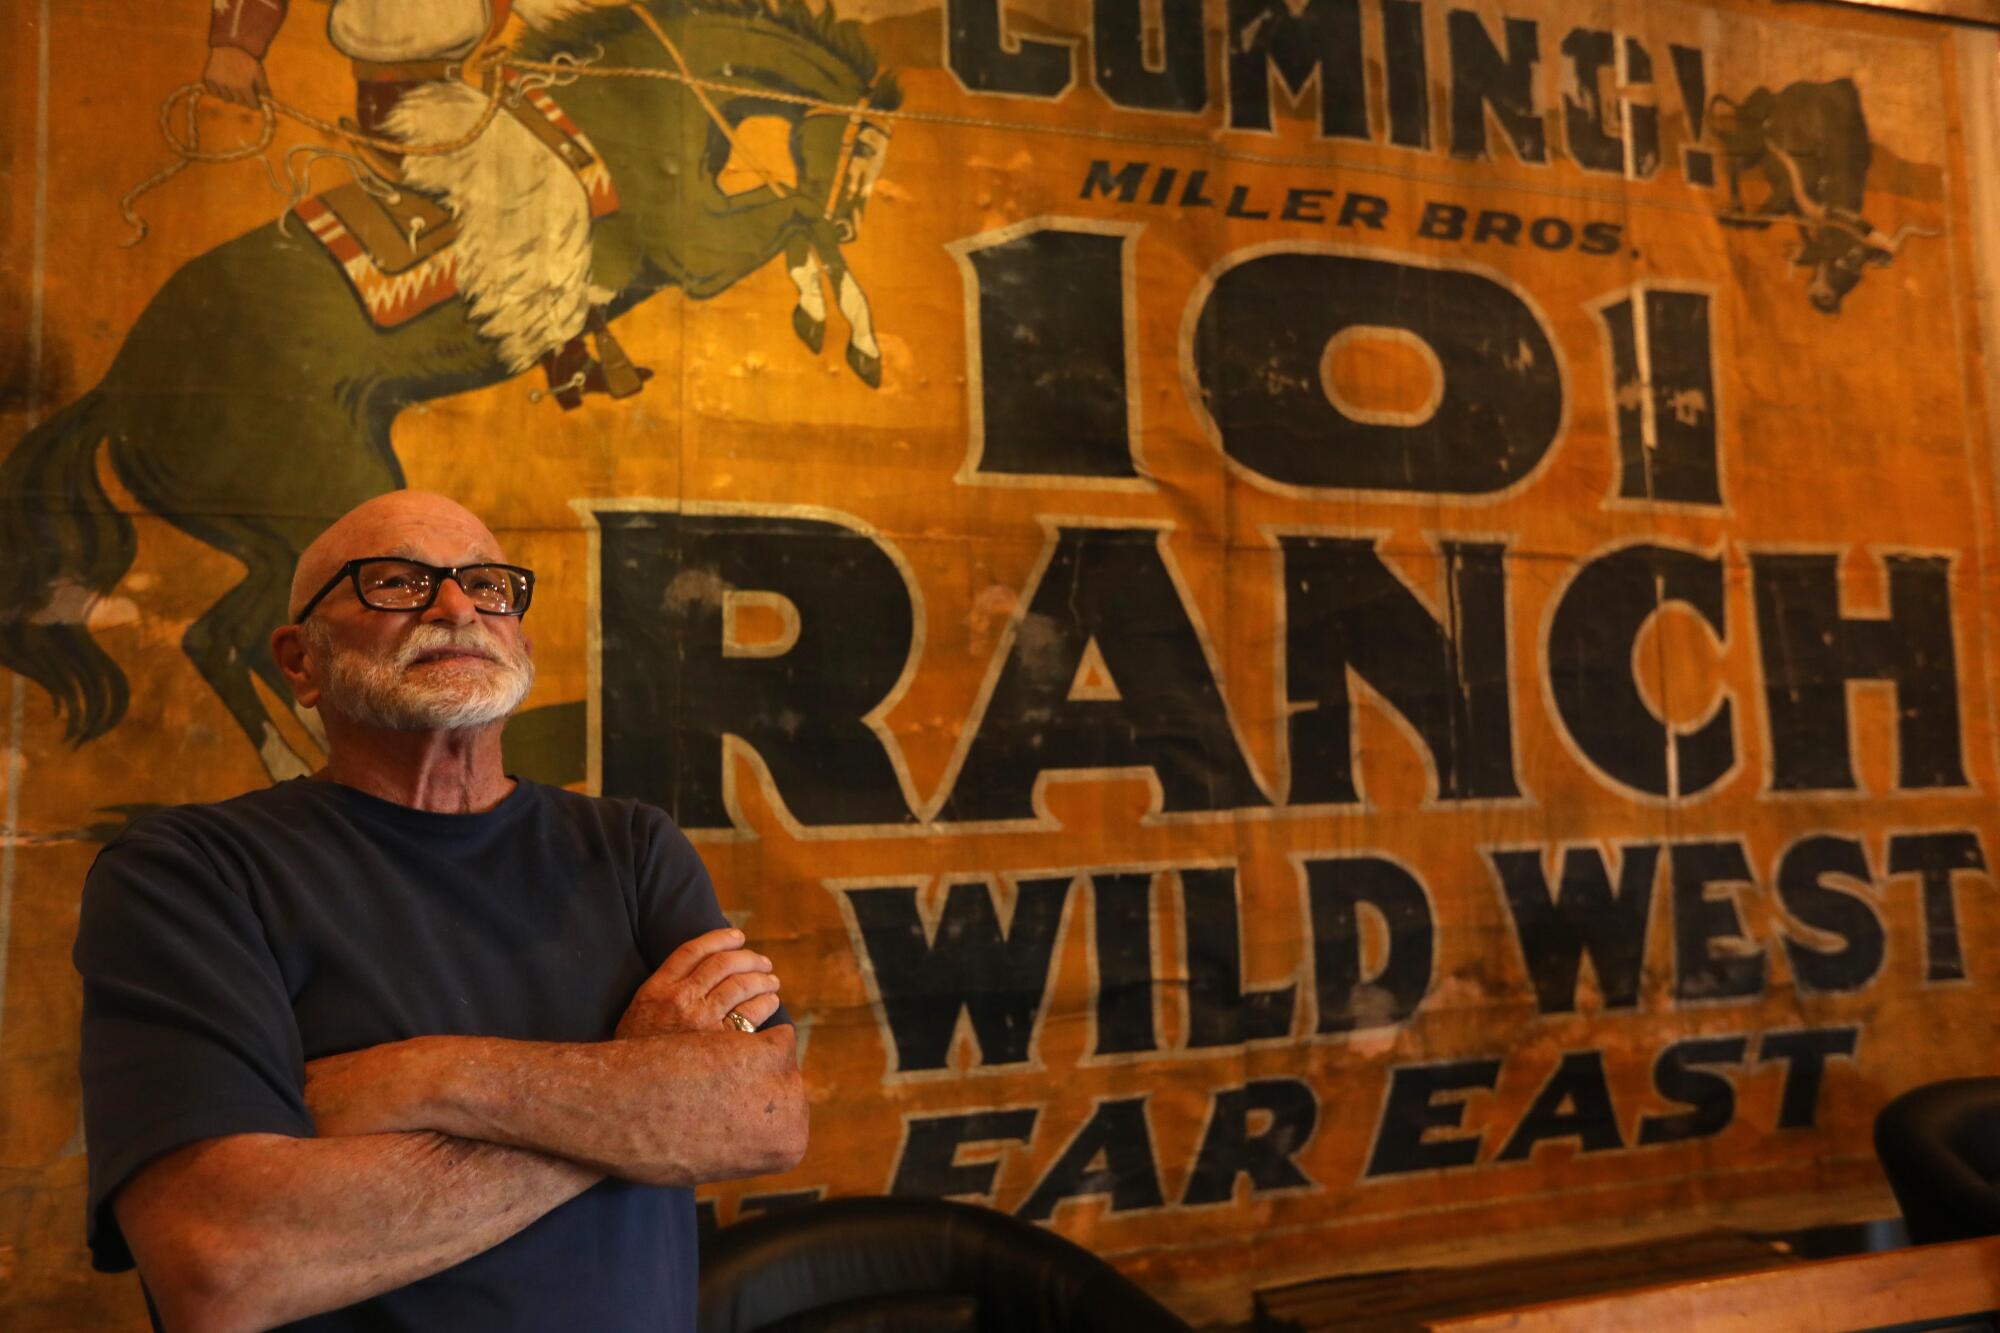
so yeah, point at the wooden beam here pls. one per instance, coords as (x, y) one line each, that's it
(1986, 13)
(1866, 1291)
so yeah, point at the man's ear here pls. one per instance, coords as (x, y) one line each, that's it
(295, 662)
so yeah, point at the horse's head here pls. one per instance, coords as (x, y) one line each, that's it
(758, 128)
(840, 158)
(827, 83)
(746, 96)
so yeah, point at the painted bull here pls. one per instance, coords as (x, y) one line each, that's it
(1810, 142)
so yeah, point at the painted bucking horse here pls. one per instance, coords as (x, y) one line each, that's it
(253, 399)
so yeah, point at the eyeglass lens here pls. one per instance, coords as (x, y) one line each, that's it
(400, 585)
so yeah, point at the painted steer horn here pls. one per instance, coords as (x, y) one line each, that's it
(1893, 245)
(1887, 247)
(1802, 198)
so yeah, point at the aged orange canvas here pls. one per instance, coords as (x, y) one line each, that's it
(1318, 635)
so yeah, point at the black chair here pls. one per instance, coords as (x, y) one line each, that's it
(891, 1265)
(1940, 1147)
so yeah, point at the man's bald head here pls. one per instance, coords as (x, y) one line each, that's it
(421, 525)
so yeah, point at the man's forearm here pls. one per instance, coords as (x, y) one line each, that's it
(248, 25)
(677, 1109)
(257, 1229)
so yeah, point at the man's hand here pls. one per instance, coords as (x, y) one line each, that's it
(235, 75)
(375, 1090)
(699, 984)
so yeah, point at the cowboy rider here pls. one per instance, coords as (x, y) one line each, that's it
(398, 47)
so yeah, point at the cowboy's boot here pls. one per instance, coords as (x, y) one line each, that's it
(616, 375)
(570, 369)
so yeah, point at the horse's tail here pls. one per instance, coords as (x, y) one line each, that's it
(62, 546)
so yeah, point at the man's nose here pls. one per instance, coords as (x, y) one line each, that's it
(452, 606)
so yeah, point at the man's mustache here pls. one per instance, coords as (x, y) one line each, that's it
(425, 640)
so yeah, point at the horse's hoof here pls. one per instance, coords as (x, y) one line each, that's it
(812, 332)
(869, 368)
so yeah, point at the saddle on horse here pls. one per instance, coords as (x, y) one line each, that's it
(396, 243)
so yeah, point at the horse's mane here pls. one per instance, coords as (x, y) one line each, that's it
(838, 37)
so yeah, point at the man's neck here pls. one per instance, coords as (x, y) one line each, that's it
(445, 772)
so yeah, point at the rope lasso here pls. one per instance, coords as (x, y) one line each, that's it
(500, 60)
(188, 149)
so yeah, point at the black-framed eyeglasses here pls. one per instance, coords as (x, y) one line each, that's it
(391, 583)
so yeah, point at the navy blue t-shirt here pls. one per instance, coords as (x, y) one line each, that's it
(223, 946)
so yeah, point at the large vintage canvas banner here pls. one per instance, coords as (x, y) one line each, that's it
(1318, 633)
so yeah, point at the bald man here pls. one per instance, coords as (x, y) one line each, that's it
(410, 1043)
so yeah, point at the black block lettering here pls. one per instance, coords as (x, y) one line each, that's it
(1664, 401)
(1109, 586)
(1935, 856)
(1811, 651)
(1442, 222)
(998, 978)
(1123, 915)
(1607, 604)
(1481, 78)
(1551, 233)
(1710, 1097)
(1124, 182)
(987, 62)
(673, 687)
(1574, 1104)
(929, 1166)
(1178, 83)
(1601, 238)
(1229, 1149)
(1322, 40)
(1590, 53)
(1805, 1052)
(1642, 118)
(1584, 914)
(1370, 210)
(1304, 205)
(1404, 1142)
(1050, 366)
(1587, 116)
(1346, 611)
(1239, 205)
(1263, 330)
(1111, 1155)
(1495, 225)
(1337, 888)
(1403, 55)
(1702, 971)
(1692, 75)
(1220, 1012)
(1802, 888)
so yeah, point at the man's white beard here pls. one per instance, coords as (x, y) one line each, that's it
(381, 692)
